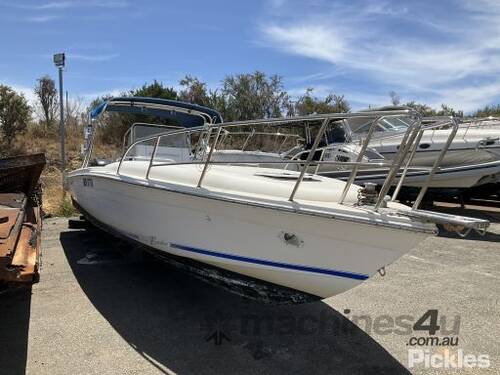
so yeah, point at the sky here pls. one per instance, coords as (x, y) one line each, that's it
(445, 51)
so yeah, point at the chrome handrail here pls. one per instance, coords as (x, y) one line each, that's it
(153, 154)
(207, 162)
(321, 131)
(407, 166)
(407, 148)
(404, 148)
(361, 154)
(324, 162)
(254, 133)
(320, 158)
(435, 167)
(248, 139)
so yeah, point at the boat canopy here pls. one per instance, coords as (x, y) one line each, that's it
(187, 114)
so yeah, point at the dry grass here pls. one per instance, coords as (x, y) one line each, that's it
(56, 202)
(36, 139)
(39, 139)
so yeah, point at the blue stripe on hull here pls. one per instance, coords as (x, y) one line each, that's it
(296, 267)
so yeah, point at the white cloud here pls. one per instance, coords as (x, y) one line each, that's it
(88, 97)
(24, 90)
(468, 98)
(54, 5)
(441, 60)
(92, 57)
(309, 40)
(112, 4)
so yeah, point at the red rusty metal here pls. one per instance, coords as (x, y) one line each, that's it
(20, 220)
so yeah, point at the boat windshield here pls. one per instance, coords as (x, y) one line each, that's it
(388, 124)
(140, 131)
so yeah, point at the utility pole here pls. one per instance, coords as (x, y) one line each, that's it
(59, 61)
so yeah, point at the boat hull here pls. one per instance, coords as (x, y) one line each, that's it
(322, 256)
(460, 177)
(469, 147)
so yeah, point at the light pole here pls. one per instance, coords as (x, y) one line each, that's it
(59, 60)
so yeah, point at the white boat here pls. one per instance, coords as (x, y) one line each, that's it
(456, 178)
(471, 144)
(469, 147)
(490, 122)
(473, 157)
(342, 148)
(283, 232)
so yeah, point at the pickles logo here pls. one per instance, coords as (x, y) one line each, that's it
(446, 358)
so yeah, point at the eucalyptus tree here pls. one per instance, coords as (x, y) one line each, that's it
(46, 95)
(308, 104)
(15, 113)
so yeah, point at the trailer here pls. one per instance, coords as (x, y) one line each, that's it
(20, 219)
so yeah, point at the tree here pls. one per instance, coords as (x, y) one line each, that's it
(217, 101)
(493, 110)
(113, 125)
(155, 90)
(395, 98)
(46, 94)
(308, 104)
(423, 109)
(427, 111)
(253, 96)
(15, 113)
(194, 91)
(74, 109)
(446, 110)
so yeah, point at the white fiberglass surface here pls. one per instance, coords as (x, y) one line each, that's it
(239, 179)
(318, 193)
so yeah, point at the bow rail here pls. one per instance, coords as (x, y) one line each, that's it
(209, 139)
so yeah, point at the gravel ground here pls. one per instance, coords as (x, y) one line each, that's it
(98, 311)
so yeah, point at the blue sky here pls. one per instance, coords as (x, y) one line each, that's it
(445, 51)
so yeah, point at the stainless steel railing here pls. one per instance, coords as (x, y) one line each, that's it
(361, 154)
(435, 167)
(310, 157)
(404, 155)
(253, 133)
